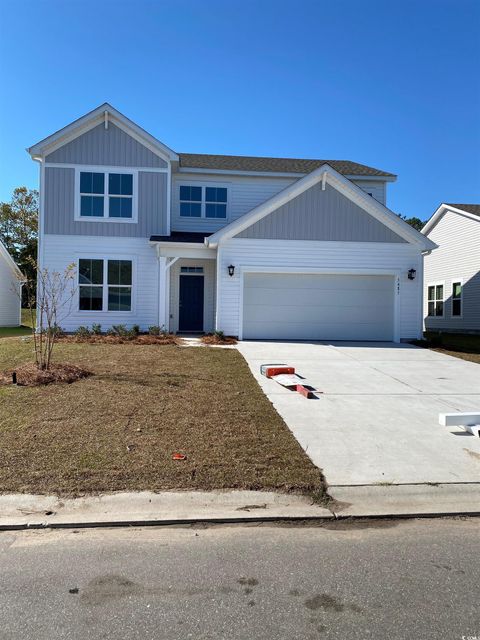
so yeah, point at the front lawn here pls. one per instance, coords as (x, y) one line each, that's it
(118, 429)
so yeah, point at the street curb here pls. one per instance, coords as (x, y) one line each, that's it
(336, 517)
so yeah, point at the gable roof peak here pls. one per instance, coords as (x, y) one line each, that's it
(89, 121)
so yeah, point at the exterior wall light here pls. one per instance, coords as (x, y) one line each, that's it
(411, 274)
(231, 270)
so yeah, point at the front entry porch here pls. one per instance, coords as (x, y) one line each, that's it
(187, 284)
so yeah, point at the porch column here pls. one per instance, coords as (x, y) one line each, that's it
(162, 293)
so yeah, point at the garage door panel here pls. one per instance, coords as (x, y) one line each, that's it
(320, 307)
(332, 282)
(312, 297)
(314, 313)
(300, 331)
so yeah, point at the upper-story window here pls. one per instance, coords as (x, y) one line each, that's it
(203, 202)
(106, 195)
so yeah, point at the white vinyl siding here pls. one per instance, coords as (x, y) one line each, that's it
(10, 292)
(60, 251)
(457, 259)
(285, 254)
(377, 189)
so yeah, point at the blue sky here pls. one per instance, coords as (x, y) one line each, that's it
(390, 84)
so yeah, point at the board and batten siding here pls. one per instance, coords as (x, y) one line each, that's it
(244, 194)
(111, 147)
(60, 202)
(10, 296)
(321, 214)
(285, 254)
(61, 251)
(457, 258)
(208, 292)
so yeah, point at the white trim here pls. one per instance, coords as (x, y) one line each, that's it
(106, 171)
(326, 271)
(105, 286)
(440, 212)
(185, 250)
(274, 174)
(101, 167)
(92, 119)
(344, 186)
(435, 300)
(452, 282)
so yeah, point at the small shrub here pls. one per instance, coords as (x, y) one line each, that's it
(219, 335)
(118, 330)
(96, 329)
(135, 330)
(154, 330)
(82, 332)
(55, 331)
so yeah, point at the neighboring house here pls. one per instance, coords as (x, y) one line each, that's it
(452, 272)
(11, 280)
(254, 247)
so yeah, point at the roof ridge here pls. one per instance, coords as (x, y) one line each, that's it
(275, 164)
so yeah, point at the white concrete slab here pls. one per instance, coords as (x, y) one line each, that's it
(377, 419)
(145, 507)
(406, 499)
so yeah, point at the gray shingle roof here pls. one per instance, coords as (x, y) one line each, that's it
(469, 208)
(279, 165)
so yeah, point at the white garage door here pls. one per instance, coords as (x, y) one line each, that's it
(285, 306)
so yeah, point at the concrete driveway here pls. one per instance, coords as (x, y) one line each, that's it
(377, 419)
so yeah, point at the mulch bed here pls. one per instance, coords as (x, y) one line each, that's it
(104, 339)
(211, 338)
(28, 375)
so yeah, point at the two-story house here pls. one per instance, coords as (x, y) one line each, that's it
(260, 248)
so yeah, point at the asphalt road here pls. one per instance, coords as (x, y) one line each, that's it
(387, 580)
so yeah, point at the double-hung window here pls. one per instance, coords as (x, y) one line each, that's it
(203, 202)
(435, 300)
(457, 291)
(106, 195)
(104, 285)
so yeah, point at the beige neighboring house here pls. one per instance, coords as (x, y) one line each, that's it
(452, 272)
(11, 280)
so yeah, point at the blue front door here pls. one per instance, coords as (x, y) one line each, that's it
(191, 303)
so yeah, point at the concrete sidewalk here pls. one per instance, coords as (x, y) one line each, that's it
(23, 511)
(148, 508)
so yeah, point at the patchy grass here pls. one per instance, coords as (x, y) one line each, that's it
(118, 429)
(459, 345)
